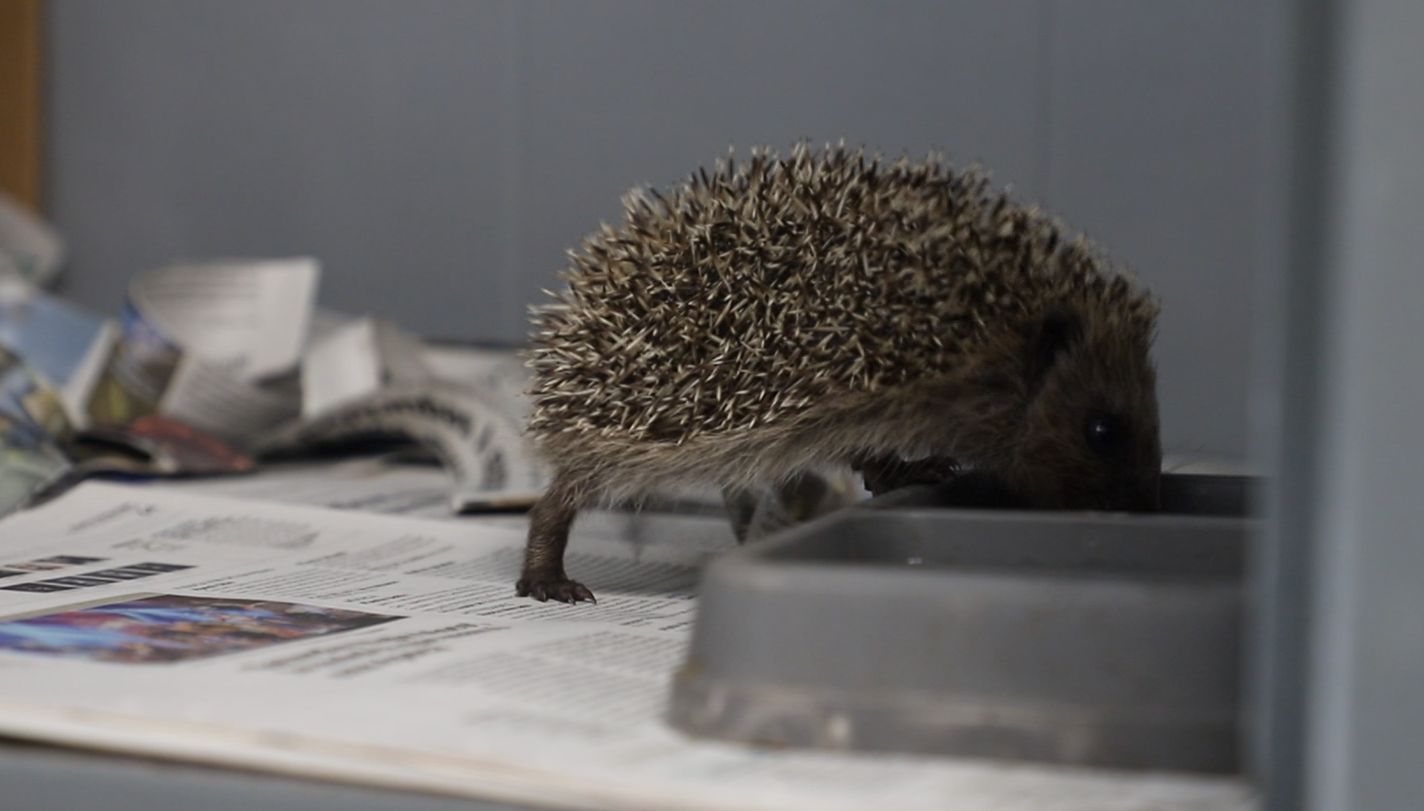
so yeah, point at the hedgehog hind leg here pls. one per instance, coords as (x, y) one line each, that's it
(740, 504)
(756, 514)
(550, 520)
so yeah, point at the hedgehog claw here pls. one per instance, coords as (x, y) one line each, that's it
(560, 589)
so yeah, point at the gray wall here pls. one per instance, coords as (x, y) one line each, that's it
(439, 157)
(1338, 567)
(1366, 715)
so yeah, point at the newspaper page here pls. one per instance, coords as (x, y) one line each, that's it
(214, 344)
(479, 444)
(390, 650)
(197, 377)
(255, 312)
(399, 484)
(356, 360)
(30, 249)
(66, 344)
(368, 379)
(32, 420)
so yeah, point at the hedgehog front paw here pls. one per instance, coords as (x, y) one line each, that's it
(553, 587)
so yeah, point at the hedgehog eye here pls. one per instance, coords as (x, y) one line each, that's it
(1105, 433)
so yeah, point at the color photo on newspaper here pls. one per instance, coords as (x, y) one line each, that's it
(162, 628)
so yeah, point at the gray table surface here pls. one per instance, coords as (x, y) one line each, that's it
(39, 778)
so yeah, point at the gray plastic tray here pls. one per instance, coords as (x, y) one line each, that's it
(1104, 639)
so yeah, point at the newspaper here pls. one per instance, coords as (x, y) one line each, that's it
(64, 343)
(390, 651)
(32, 421)
(465, 406)
(356, 360)
(401, 484)
(214, 363)
(214, 344)
(30, 250)
(238, 350)
(480, 445)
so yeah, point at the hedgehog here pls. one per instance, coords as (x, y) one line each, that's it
(826, 307)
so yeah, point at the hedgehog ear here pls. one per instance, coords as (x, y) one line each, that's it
(1048, 338)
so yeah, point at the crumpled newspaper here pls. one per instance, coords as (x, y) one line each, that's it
(32, 423)
(30, 250)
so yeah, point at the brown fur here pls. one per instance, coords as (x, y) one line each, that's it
(977, 335)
